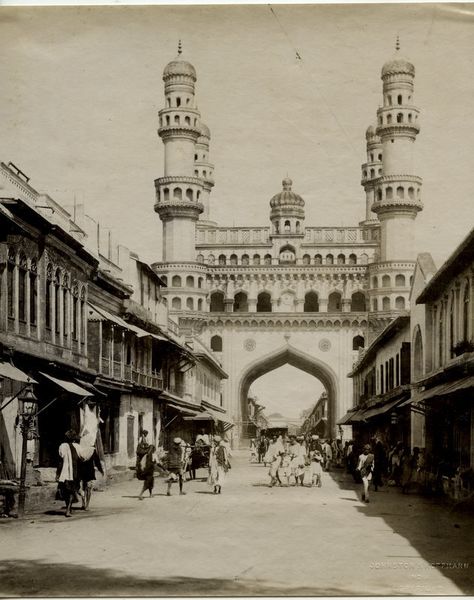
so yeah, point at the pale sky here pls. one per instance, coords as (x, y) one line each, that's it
(277, 391)
(81, 88)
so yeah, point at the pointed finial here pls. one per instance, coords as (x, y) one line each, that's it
(397, 44)
(180, 48)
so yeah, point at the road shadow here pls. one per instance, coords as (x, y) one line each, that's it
(33, 578)
(441, 538)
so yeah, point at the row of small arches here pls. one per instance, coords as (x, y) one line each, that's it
(177, 121)
(372, 173)
(389, 101)
(217, 345)
(190, 281)
(257, 259)
(189, 304)
(177, 101)
(176, 194)
(386, 304)
(386, 282)
(400, 193)
(264, 302)
(399, 118)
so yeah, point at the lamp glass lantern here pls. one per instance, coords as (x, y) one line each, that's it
(29, 402)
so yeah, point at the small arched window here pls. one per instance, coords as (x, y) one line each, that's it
(166, 195)
(306, 259)
(399, 99)
(256, 259)
(176, 119)
(222, 260)
(386, 281)
(217, 302)
(375, 305)
(176, 281)
(389, 98)
(400, 118)
(267, 259)
(216, 343)
(241, 302)
(189, 195)
(400, 280)
(233, 259)
(411, 193)
(200, 280)
(329, 259)
(379, 195)
(200, 304)
(372, 173)
(211, 259)
(187, 121)
(298, 227)
(287, 227)
(358, 342)
(190, 281)
(389, 193)
(375, 282)
(386, 303)
(178, 194)
(400, 303)
(358, 302)
(311, 302)
(341, 259)
(352, 259)
(190, 303)
(318, 259)
(389, 119)
(176, 304)
(400, 192)
(245, 259)
(264, 302)
(178, 101)
(334, 302)
(167, 119)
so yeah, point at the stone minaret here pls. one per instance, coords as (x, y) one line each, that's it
(398, 190)
(179, 192)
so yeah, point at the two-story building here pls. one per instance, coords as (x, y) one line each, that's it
(381, 380)
(443, 359)
(316, 421)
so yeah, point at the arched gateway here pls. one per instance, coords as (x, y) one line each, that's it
(287, 291)
(296, 358)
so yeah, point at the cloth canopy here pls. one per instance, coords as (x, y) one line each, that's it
(68, 386)
(10, 372)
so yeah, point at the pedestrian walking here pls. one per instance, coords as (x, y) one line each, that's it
(253, 450)
(316, 468)
(146, 471)
(380, 465)
(175, 463)
(86, 475)
(67, 473)
(218, 465)
(365, 467)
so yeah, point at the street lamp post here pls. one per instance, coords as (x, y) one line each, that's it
(27, 413)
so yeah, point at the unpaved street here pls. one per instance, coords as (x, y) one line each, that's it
(250, 540)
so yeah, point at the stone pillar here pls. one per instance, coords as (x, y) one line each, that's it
(346, 305)
(323, 305)
(229, 304)
(252, 303)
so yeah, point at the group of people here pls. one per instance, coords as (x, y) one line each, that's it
(296, 460)
(177, 461)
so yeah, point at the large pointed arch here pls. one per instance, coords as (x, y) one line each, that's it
(290, 355)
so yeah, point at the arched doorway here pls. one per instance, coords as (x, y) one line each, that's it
(296, 358)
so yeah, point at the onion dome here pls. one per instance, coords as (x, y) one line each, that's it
(205, 132)
(286, 197)
(179, 67)
(398, 64)
(370, 133)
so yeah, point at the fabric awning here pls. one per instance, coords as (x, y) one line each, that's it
(91, 388)
(10, 372)
(105, 314)
(443, 389)
(346, 418)
(204, 416)
(182, 409)
(380, 410)
(68, 386)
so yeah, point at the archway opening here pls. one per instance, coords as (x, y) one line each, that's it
(276, 374)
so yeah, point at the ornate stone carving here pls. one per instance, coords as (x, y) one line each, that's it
(324, 345)
(249, 345)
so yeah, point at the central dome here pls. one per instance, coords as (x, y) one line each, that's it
(286, 197)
